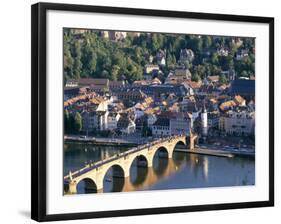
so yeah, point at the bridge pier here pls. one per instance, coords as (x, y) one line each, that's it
(192, 138)
(72, 187)
(150, 161)
(99, 184)
(170, 153)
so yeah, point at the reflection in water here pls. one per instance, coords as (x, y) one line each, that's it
(113, 180)
(205, 167)
(182, 171)
(138, 171)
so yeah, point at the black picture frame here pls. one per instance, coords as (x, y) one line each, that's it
(39, 122)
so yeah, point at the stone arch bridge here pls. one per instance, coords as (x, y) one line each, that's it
(121, 163)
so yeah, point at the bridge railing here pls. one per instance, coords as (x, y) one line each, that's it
(95, 165)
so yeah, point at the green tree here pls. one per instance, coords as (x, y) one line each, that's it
(215, 58)
(207, 42)
(244, 74)
(114, 72)
(171, 61)
(216, 70)
(105, 74)
(90, 55)
(223, 79)
(67, 58)
(77, 122)
(71, 122)
(89, 61)
(66, 121)
(156, 41)
(77, 64)
(201, 71)
(195, 77)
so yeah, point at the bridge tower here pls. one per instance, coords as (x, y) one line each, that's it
(192, 138)
(204, 121)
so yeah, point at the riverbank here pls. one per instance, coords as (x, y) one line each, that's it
(203, 149)
(100, 141)
(218, 153)
(225, 152)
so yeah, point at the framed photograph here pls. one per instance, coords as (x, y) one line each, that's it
(139, 111)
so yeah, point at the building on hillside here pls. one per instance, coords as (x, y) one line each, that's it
(213, 119)
(116, 35)
(71, 83)
(238, 122)
(213, 78)
(240, 101)
(146, 82)
(126, 125)
(227, 105)
(135, 95)
(160, 57)
(186, 56)
(141, 122)
(116, 85)
(157, 90)
(195, 86)
(150, 68)
(102, 117)
(243, 87)
(241, 54)
(98, 104)
(89, 121)
(70, 92)
(161, 127)
(112, 120)
(93, 120)
(104, 34)
(179, 75)
(180, 123)
(223, 52)
(96, 85)
(151, 119)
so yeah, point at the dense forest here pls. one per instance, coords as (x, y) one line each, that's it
(89, 54)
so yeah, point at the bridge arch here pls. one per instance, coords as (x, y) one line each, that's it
(161, 151)
(180, 142)
(160, 160)
(113, 178)
(138, 169)
(86, 185)
(178, 155)
(115, 170)
(139, 160)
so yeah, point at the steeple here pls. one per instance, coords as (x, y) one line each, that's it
(204, 107)
(204, 120)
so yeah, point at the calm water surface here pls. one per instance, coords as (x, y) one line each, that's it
(182, 171)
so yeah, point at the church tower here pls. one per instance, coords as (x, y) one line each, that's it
(204, 121)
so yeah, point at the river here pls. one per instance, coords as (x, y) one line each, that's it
(182, 171)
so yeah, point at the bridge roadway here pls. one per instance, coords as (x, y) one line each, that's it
(121, 163)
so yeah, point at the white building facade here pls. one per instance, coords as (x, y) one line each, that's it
(240, 123)
(112, 120)
(180, 125)
(161, 127)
